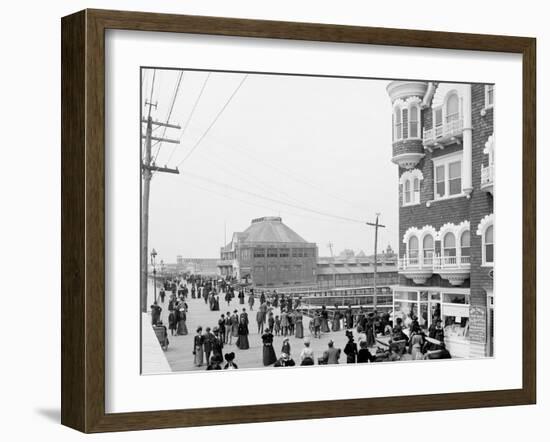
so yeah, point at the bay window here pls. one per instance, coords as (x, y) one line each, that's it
(448, 176)
(414, 120)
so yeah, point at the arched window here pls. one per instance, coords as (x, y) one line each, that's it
(465, 244)
(416, 191)
(397, 124)
(413, 249)
(451, 108)
(488, 245)
(407, 192)
(449, 244)
(414, 121)
(428, 249)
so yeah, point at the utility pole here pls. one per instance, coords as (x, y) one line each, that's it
(330, 248)
(147, 169)
(376, 226)
(330, 245)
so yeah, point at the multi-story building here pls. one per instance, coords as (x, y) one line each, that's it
(269, 254)
(443, 144)
(357, 271)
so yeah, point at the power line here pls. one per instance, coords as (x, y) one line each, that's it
(174, 97)
(231, 197)
(151, 96)
(213, 122)
(256, 195)
(247, 176)
(288, 173)
(190, 115)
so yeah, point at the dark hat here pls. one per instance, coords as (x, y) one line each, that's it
(229, 356)
(216, 358)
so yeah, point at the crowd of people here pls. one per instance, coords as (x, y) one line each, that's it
(379, 339)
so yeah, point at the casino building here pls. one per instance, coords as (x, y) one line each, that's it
(269, 254)
(443, 144)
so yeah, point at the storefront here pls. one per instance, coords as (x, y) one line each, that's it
(451, 305)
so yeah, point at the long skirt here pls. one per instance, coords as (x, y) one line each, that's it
(269, 356)
(416, 352)
(324, 325)
(335, 325)
(241, 300)
(182, 328)
(299, 330)
(370, 337)
(242, 342)
(199, 355)
(235, 330)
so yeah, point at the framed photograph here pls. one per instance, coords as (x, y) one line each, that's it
(267, 221)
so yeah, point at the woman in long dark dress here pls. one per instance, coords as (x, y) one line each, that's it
(172, 323)
(350, 349)
(299, 325)
(349, 317)
(182, 326)
(198, 348)
(324, 320)
(234, 326)
(370, 330)
(269, 356)
(242, 340)
(228, 297)
(336, 320)
(241, 297)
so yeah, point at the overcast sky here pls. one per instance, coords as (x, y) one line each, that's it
(315, 151)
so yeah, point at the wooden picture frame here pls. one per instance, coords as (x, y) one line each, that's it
(83, 219)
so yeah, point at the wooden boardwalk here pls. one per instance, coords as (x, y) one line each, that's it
(180, 357)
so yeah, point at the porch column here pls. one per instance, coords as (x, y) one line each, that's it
(467, 140)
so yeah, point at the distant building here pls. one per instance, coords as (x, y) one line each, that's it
(269, 254)
(197, 266)
(357, 271)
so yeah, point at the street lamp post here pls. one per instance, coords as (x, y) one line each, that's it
(153, 257)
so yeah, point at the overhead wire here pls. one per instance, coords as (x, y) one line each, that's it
(173, 101)
(199, 141)
(195, 104)
(255, 204)
(288, 173)
(256, 195)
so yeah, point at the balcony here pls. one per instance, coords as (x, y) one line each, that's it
(444, 134)
(487, 178)
(407, 152)
(417, 268)
(452, 268)
(224, 263)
